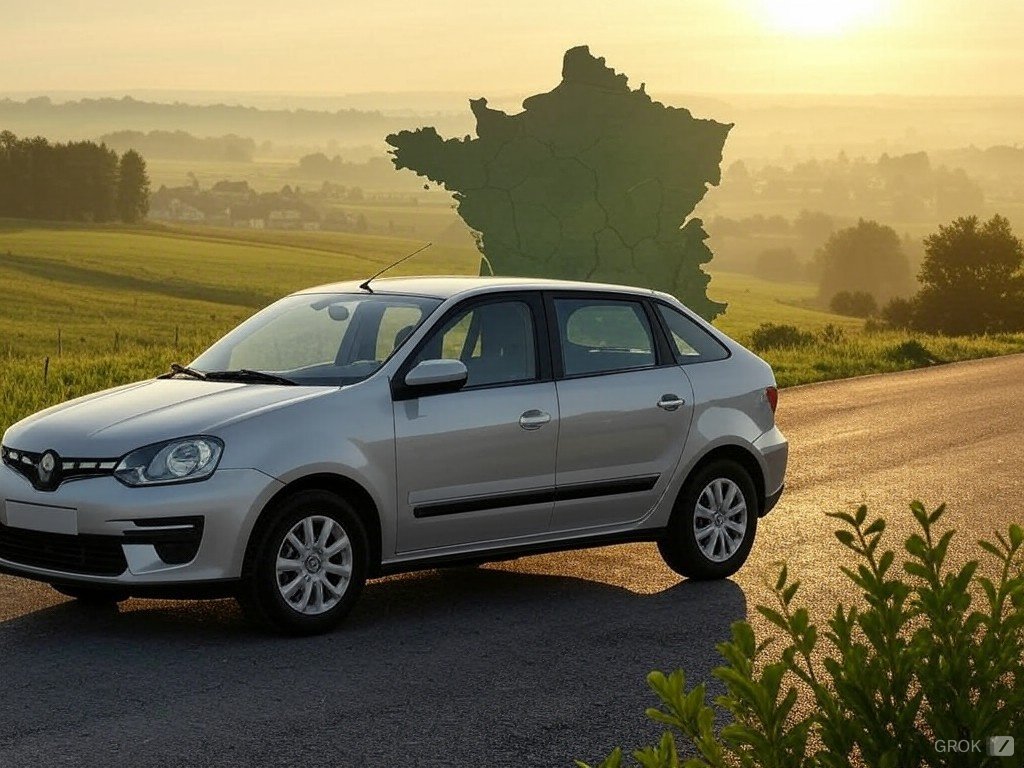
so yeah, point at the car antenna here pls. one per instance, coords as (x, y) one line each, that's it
(365, 285)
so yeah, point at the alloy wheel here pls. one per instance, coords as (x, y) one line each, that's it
(314, 565)
(720, 519)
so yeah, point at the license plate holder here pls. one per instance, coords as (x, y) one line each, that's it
(43, 518)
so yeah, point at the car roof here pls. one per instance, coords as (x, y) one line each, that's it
(446, 286)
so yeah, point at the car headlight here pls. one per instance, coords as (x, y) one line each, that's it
(185, 459)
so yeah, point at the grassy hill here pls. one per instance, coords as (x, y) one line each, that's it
(128, 301)
(143, 283)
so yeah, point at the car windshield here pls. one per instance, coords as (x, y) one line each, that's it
(319, 339)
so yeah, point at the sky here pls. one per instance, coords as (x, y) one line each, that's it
(915, 47)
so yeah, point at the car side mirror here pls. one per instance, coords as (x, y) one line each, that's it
(437, 376)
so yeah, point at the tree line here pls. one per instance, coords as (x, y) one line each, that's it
(76, 181)
(181, 145)
(971, 279)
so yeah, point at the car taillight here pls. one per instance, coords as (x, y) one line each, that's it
(772, 395)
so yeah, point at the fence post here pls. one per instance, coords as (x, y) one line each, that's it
(46, 369)
(175, 337)
(60, 344)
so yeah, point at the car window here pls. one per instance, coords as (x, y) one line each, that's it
(692, 343)
(495, 341)
(603, 335)
(296, 339)
(320, 338)
(396, 325)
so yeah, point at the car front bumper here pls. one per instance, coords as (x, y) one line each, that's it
(100, 532)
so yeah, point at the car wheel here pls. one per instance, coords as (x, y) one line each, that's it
(714, 523)
(92, 595)
(307, 564)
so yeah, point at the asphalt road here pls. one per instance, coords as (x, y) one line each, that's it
(533, 662)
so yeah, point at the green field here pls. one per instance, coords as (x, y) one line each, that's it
(126, 302)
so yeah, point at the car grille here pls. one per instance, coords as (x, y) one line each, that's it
(26, 462)
(90, 554)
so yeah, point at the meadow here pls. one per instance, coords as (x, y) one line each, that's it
(88, 307)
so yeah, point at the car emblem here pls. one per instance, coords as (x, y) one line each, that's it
(47, 468)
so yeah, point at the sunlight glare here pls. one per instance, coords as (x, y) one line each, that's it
(819, 17)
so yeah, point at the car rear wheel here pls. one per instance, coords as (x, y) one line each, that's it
(92, 595)
(307, 565)
(712, 528)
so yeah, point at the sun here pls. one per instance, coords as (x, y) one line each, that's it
(820, 17)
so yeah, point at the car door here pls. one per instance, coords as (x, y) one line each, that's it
(478, 464)
(625, 409)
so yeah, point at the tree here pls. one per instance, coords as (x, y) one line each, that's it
(813, 228)
(899, 312)
(970, 277)
(590, 181)
(866, 257)
(132, 188)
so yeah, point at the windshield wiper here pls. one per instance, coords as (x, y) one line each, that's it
(184, 370)
(247, 375)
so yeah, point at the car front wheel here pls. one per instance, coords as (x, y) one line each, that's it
(307, 566)
(712, 528)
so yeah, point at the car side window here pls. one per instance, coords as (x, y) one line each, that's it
(495, 341)
(603, 335)
(691, 343)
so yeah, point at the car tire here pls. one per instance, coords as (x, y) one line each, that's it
(306, 564)
(92, 595)
(702, 541)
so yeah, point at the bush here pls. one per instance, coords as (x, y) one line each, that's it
(911, 351)
(832, 334)
(854, 304)
(899, 313)
(771, 336)
(874, 325)
(937, 653)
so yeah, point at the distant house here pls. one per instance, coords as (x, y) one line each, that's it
(234, 191)
(285, 218)
(176, 209)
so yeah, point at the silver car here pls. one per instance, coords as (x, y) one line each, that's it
(350, 431)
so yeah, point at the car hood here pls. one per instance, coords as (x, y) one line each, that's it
(110, 423)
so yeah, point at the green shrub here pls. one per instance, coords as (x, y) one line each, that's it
(910, 351)
(832, 334)
(771, 336)
(874, 325)
(936, 653)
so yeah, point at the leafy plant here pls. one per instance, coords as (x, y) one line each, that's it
(934, 654)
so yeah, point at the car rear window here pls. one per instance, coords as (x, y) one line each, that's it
(690, 342)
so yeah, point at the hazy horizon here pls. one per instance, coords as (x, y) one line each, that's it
(330, 50)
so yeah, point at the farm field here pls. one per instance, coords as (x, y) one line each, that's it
(126, 302)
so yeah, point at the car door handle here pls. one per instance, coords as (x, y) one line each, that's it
(534, 419)
(670, 402)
